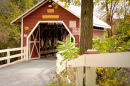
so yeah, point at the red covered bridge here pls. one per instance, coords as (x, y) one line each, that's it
(43, 25)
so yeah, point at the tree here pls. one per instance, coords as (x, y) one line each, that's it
(10, 34)
(86, 21)
(24, 5)
(86, 30)
(112, 8)
(10, 9)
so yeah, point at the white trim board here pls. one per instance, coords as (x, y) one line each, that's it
(21, 34)
(39, 41)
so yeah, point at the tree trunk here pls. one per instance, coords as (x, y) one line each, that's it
(108, 19)
(107, 14)
(86, 30)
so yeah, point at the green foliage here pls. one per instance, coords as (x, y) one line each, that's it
(120, 42)
(116, 43)
(68, 49)
(68, 2)
(112, 77)
(24, 4)
(123, 26)
(10, 34)
(27, 4)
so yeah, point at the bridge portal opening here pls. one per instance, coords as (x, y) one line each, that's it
(44, 40)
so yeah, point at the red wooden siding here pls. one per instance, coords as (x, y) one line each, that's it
(99, 33)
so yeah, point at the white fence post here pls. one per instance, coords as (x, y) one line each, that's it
(71, 74)
(90, 76)
(21, 53)
(24, 54)
(90, 71)
(79, 76)
(8, 55)
(27, 58)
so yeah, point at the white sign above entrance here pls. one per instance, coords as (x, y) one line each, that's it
(72, 24)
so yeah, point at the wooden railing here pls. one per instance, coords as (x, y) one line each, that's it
(8, 57)
(88, 62)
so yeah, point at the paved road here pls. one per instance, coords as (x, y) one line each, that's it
(31, 73)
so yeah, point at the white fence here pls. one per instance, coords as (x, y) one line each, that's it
(8, 57)
(91, 61)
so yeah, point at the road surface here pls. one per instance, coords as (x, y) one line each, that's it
(30, 73)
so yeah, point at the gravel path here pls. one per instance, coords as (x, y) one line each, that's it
(31, 73)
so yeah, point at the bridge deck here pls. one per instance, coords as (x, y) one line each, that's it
(31, 73)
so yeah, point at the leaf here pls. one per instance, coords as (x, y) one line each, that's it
(68, 49)
(60, 42)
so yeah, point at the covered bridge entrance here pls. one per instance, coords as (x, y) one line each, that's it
(44, 38)
(43, 25)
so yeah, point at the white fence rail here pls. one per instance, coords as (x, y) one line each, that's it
(8, 57)
(91, 61)
(102, 60)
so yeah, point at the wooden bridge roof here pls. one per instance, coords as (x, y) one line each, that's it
(75, 10)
